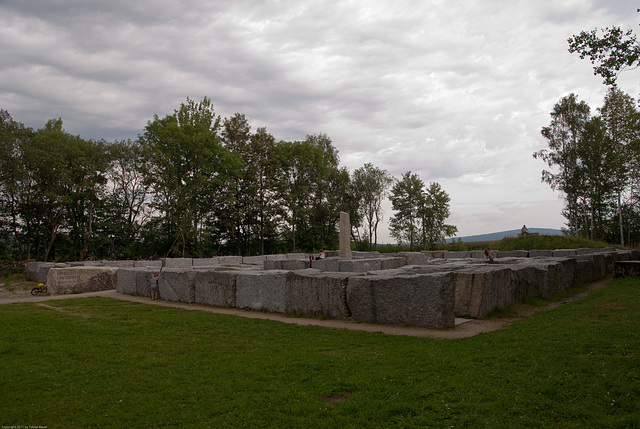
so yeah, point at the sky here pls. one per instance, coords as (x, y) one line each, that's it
(456, 92)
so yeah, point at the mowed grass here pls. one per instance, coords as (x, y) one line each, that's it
(97, 362)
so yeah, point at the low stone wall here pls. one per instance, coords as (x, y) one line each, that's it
(430, 291)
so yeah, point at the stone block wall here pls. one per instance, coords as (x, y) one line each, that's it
(61, 281)
(215, 288)
(380, 289)
(262, 291)
(313, 292)
(425, 300)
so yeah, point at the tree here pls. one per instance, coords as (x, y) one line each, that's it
(17, 214)
(265, 171)
(190, 172)
(370, 185)
(597, 161)
(407, 199)
(126, 204)
(611, 53)
(568, 120)
(236, 136)
(433, 216)
(622, 122)
(315, 191)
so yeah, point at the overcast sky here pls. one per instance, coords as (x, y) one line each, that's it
(456, 92)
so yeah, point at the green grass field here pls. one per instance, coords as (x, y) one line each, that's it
(97, 362)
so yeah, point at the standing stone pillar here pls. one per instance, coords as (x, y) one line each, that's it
(345, 236)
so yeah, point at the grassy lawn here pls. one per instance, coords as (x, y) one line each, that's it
(106, 363)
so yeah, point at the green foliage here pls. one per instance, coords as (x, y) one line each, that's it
(107, 363)
(369, 186)
(420, 213)
(595, 162)
(612, 52)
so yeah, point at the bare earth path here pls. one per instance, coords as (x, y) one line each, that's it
(464, 328)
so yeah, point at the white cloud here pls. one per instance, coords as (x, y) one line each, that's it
(456, 92)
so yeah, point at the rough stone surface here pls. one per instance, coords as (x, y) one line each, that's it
(626, 269)
(392, 263)
(563, 253)
(38, 271)
(215, 287)
(253, 260)
(457, 255)
(482, 289)
(425, 300)
(327, 264)
(359, 265)
(513, 254)
(262, 291)
(154, 265)
(434, 254)
(177, 284)
(62, 281)
(540, 253)
(293, 264)
(230, 260)
(178, 262)
(365, 255)
(415, 258)
(296, 256)
(313, 292)
(206, 262)
(119, 264)
(134, 281)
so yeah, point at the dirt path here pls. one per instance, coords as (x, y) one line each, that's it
(464, 328)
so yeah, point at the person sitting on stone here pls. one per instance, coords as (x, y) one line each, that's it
(320, 255)
(524, 230)
(488, 255)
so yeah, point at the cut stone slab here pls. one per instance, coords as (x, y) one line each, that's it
(38, 271)
(314, 292)
(416, 258)
(457, 255)
(327, 264)
(154, 265)
(135, 281)
(540, 253)
(513, 254)
(178, 262)
(359, 265)
(293, 264)
(425, 300)
(392, 263)
(206, 262)
(216, 287)
(262, 291)
(177, 284)
(61, 281)
(482, 289)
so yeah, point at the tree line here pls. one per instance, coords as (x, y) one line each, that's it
(596, 158)
(596, 164)
(193, 184)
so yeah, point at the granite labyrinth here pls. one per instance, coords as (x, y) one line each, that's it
(425, 289)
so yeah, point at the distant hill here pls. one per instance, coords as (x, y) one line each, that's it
(494, 236)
